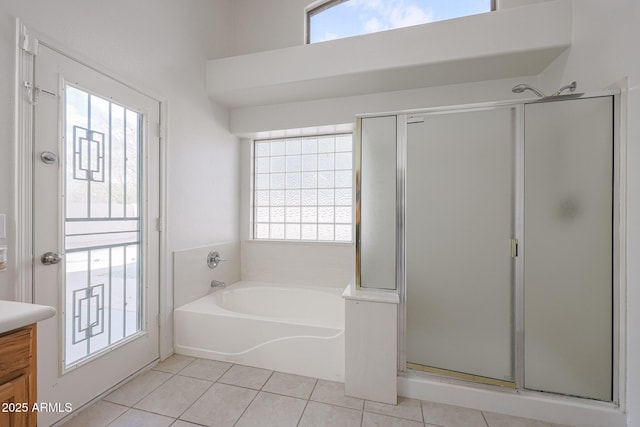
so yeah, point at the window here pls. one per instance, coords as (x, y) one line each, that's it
(303, 189)
(336, 19)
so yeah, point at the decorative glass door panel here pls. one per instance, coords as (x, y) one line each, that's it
(102, 226)
(96, 199)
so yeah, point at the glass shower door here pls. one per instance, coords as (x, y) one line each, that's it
(568, 257)
(459, 224)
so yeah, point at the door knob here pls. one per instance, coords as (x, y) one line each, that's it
(48, 157)
(50, 258)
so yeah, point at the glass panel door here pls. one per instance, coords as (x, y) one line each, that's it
(96, 176)
(459, 226)
(103, 292)
(568, 255)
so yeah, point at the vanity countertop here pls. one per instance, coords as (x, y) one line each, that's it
(14, 315)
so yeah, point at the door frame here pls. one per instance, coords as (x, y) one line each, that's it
(26, 47)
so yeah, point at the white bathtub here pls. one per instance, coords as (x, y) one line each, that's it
(288, 328)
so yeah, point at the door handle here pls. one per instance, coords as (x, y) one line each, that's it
(50, 258)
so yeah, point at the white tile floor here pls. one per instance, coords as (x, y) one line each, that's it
(188, 392)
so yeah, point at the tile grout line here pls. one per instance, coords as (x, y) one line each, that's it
(177, 420)
(423, 419)
(307, 404)
(143, 397)
(175, 375)
(254, 397)
(202, 394)
(127, 407)
(148, 412)
(242, 386)
(397, 417)
(114, 420)
(484, 418)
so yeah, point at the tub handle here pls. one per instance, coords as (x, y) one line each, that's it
(213, 259)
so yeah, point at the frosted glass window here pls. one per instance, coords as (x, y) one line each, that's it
(310, 215)
(293, 147)
(309, 197)
(303, 189)
(310, 179)
(293, 180)
(293, 163)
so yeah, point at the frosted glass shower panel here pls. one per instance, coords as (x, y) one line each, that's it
(568, 247)
(459, 224)
(377, 203)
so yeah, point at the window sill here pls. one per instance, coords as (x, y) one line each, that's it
(299, 242)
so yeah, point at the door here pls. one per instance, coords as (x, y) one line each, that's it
(14, 395)
(95, 202)
(568, 247)
(459, 225)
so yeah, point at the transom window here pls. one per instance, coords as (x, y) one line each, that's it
(303, 188)
(336, 19)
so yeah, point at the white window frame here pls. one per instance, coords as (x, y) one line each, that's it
(322, 5)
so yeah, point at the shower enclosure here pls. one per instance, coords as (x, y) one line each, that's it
(495, 223)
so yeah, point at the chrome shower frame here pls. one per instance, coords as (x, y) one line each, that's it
(619, 222)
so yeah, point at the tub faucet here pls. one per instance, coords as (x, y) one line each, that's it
(218, 284)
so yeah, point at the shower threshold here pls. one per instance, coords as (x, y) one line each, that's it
(461, 375)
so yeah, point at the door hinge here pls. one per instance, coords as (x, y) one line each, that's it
(159, 224)
(29, 43)
(514, 248)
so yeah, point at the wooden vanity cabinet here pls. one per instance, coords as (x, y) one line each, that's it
(18, 380)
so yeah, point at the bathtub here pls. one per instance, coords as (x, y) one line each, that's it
(287, 328)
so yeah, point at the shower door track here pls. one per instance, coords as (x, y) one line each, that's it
(461, 375)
